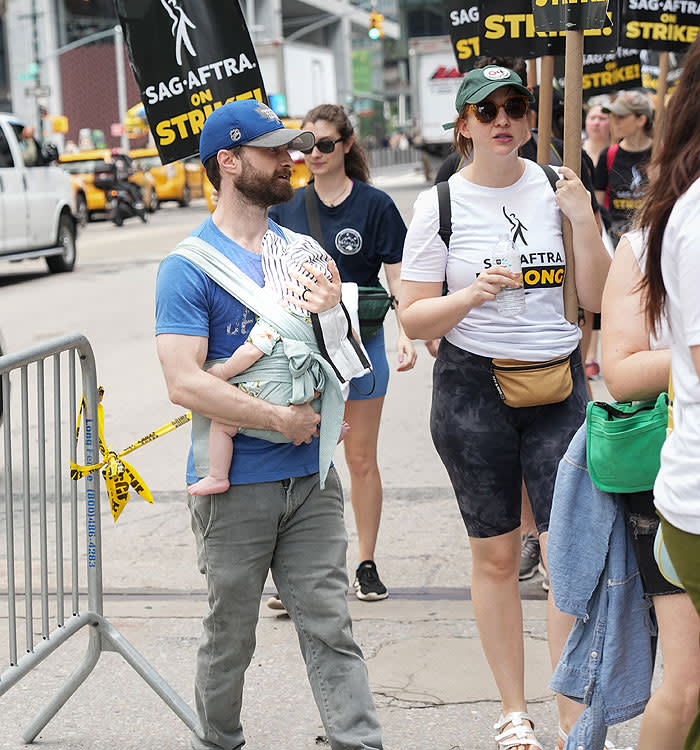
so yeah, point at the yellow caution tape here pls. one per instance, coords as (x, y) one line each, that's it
(119, 475)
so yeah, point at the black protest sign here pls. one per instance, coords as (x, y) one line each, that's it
(569, 15)
(662, 25)
(463, 19)
(604, 40)
(613, 72)
(507, 28)
(651, 71)
(189, 57)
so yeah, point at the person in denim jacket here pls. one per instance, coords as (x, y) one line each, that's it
(637, 364)
(607, 661)
(637, 367)
(670, 215)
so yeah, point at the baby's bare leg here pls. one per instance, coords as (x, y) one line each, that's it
(220, 455)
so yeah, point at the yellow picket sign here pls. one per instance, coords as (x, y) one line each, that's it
(119, 475)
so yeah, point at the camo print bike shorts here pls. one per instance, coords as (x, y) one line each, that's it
(488, 447)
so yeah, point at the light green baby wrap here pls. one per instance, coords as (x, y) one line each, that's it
(290, 375)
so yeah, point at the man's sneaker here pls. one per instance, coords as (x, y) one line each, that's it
(529, 557)
(274, 602)
(367, 585)
(545, 577)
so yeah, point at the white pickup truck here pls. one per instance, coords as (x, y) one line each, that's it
(36, 197)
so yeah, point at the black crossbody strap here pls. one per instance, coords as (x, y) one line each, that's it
(571, 306)
(552, 176)
(444, 212)
(312, 214)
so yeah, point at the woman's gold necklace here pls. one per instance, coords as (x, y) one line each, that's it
(333, 201)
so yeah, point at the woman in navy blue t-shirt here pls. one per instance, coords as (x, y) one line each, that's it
(362, 230)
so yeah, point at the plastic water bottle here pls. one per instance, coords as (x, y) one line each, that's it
(510, 300)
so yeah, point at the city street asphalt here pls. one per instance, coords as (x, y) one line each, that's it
(431, 683)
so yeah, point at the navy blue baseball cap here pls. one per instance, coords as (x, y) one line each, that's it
(248, 122)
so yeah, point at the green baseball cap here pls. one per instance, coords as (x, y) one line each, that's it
(478, 83)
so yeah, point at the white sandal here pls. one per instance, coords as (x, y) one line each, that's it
(608, 744)
(518, 733)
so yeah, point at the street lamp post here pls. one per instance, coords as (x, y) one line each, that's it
(37, 79)
(35, 69)
(121, 84)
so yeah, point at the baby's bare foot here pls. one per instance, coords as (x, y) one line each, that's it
(344, 429)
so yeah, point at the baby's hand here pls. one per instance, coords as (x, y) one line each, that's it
(217, 371)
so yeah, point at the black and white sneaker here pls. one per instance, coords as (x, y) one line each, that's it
(368, 587)
(529, 557)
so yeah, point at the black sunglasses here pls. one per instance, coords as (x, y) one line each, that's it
(515, 107)
(326, 146)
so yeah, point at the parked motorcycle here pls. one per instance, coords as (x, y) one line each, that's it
(121, 205)
(123, 198)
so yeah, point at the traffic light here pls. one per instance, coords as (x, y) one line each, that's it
(375, 30)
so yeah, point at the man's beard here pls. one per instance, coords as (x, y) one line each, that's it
(262, 189)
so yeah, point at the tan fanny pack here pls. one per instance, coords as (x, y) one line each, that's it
(532, 383)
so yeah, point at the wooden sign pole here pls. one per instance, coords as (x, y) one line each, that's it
(573, 105)
(532, 72)
(544, 112)
(660, 114)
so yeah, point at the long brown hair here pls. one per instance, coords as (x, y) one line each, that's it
(462, 144)
(356, 164)
(675, 168)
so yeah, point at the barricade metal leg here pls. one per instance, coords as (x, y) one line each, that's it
(103, 636)
(151, 677)
(69, 687)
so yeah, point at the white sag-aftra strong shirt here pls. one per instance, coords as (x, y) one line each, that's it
(528, 213)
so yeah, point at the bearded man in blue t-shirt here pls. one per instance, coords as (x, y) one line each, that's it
(274, 517)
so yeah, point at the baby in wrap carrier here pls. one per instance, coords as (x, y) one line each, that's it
(278, 261)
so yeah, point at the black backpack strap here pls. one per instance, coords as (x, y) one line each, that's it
(444, 212)
(552, 176)
(312, 214)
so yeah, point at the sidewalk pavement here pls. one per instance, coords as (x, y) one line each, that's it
(431, 683)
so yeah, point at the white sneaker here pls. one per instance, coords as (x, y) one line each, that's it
(274, 602)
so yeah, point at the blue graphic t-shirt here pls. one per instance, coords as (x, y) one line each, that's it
(360, 234)
(188, 302)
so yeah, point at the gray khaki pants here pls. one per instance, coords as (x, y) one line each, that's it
(297, 531)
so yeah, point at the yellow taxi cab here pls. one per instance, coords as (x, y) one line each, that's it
(301, 174)
(179, 181)
(89, 200)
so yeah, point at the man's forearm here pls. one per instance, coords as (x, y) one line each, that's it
(217, 399)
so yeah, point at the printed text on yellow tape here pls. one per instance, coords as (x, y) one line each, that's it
(119, 475)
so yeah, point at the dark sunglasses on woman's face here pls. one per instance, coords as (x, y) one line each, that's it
(325, 146)
(515, 107)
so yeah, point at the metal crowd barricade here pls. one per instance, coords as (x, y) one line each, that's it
(42, 504)
(390, 157)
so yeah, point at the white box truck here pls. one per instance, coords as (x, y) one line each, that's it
(303, 73)
(435, 79)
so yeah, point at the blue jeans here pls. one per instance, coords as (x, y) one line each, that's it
(297, 531)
